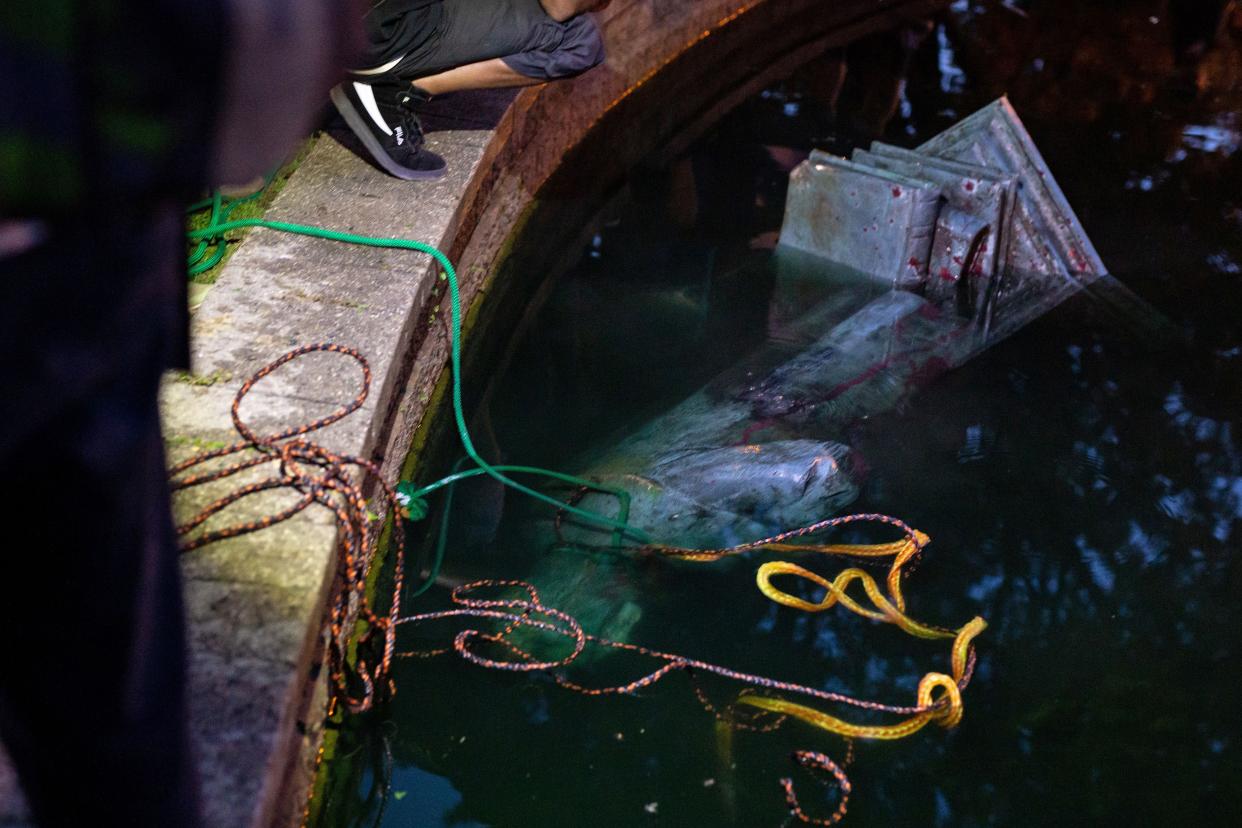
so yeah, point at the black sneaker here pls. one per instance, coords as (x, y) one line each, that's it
(383, 117)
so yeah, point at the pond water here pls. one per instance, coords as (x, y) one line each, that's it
(1081, 482)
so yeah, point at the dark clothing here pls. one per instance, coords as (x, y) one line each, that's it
(403, 30)
(92, 705)
(86, 114)
(96, 151)
(90, 143)
(417, 38)
(111, 117)
(92, 699)
(104, 293)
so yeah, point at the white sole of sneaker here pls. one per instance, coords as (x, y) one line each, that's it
(359, 127)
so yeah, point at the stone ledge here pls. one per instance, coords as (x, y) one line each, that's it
(256, 603)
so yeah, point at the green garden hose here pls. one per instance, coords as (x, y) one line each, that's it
(203, 258)
(416, 505)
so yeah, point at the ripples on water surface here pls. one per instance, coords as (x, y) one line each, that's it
(1083, 487)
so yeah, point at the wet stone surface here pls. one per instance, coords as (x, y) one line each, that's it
(254, 603)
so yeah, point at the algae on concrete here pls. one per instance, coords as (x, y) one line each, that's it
(250, 208)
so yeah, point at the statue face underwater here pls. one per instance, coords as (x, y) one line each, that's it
(701, 498)
(721, 496)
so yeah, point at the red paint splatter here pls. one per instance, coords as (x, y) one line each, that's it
(927, 372)
(947, 275)
(1077, 258)
(754, 428)
(856, 381)
(857, 466)
(896, 192)
(957, 260)
(970, 186)
(915, 263)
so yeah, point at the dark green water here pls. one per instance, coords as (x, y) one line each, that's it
(1083, 489)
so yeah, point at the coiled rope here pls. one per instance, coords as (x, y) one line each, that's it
(939, 696)
(212, 247)
(323, 477)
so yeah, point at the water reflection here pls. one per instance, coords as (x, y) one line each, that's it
(1083, 486)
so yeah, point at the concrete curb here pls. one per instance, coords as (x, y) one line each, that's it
(255, 603)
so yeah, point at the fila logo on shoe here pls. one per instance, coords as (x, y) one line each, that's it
(367, 95)
(399, 134)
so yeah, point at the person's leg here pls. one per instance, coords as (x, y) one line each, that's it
(482, 38)
(557, 51)
(488, 74)
(483, 44)
(92, 699)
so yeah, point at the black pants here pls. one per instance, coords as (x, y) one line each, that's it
(409, 43)
(92, 699)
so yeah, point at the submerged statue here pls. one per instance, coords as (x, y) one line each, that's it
(955, 246)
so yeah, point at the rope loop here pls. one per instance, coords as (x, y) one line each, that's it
(320, 476)
(818, 762)
(315, 425)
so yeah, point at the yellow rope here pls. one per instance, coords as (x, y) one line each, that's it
(939, 694)
(945, 707)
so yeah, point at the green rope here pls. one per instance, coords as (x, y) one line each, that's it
(417, 503)
(221, 207)
(437, 559)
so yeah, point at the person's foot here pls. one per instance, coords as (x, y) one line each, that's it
(383, 117)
